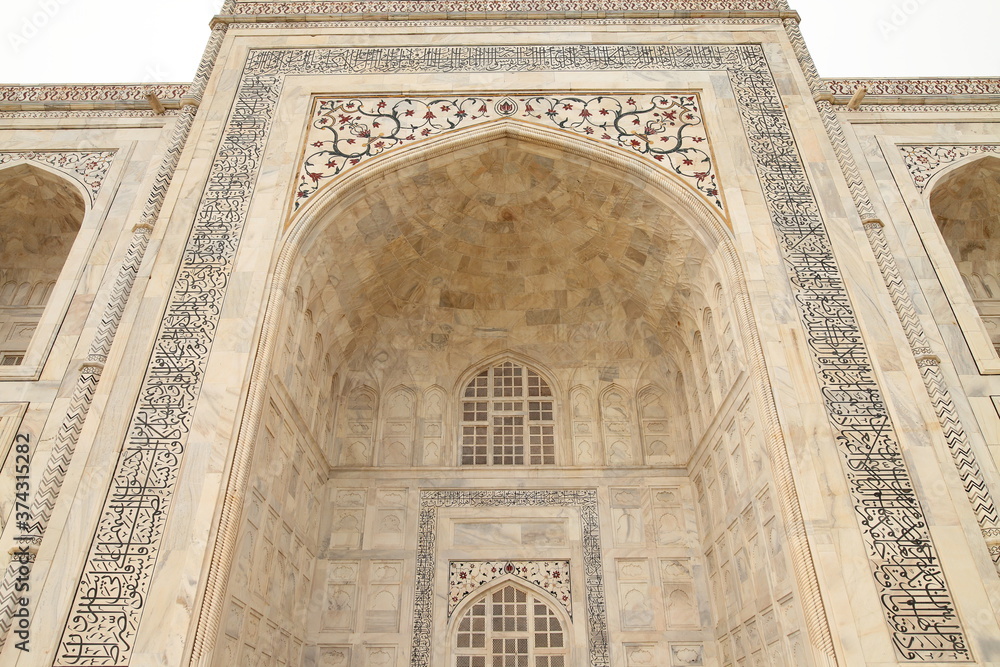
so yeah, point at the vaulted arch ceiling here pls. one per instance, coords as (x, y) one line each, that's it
(504, 244)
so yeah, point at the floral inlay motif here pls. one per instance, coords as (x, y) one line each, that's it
(667, 129)
(924, 161)
(466, 577)
(89, 168)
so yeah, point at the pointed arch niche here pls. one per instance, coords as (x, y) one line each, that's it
(965, 203)
(499, 243)
(40, 216)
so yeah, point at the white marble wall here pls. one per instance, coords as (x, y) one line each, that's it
(699, 559)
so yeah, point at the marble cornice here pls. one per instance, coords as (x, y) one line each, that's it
(478, 9)
(970, 91)
(125, 96)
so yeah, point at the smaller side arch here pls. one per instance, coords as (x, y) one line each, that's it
(64, 177)
(964, 201)
(41, 214)
(945, 173)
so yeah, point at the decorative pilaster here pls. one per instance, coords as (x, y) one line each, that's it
(90, 372)
(955, 435)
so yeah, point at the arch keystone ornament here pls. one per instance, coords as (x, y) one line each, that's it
(917, 605)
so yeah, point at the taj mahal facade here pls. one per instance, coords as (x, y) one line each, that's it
(501, 333)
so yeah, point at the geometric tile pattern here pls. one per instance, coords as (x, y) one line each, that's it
(107, 608)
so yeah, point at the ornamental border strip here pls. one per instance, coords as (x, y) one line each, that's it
(918, 607)
(897, 87)
(497, 6)
(584, 500)
(69, 92)
(415, 23)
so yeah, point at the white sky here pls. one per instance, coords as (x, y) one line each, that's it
(114, 41)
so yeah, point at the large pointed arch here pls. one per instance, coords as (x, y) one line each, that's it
(666, 129)
(292, 266)
(670, 187)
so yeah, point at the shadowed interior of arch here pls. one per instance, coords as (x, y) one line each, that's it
(40, 215)
(507, 245)
(588, 305)
(966, 205)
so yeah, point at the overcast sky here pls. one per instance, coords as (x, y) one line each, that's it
(113, 41)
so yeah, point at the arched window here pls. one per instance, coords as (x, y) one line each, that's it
(507, 418)
(509, 627)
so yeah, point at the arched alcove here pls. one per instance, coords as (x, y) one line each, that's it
(40, 216)
(965, 203)
(491, 245)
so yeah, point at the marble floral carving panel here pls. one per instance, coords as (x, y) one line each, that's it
(552, 576)
(923, 162)
(668, 129)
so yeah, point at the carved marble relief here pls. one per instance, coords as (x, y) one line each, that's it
(433, 431)
(585, 501)
(616, 424)
(667, 129)
(660, 445)
(923, 162)
(398, 428)
(587, 444)
(358, 439)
